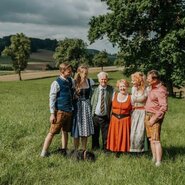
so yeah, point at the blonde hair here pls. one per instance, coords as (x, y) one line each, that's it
(78, 79)
(64, 66)
(125, 82)
(139, 77)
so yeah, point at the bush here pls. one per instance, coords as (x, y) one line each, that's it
(6, 68)
(49, 67)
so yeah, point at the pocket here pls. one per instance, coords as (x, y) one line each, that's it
(147, 118)
(59, 117)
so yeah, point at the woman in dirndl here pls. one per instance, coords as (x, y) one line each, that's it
(138, 139)
(119, 128)
(82, 126)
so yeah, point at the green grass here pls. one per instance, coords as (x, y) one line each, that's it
(24, 123)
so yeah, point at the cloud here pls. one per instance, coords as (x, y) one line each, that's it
(50, 18)
(52, 12)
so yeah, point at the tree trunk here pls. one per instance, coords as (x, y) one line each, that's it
(101, 68)
(19, 73)
(169, 85)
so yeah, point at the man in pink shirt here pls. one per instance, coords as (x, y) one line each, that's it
(156, 106)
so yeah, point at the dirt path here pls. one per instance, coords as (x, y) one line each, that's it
(43, 74)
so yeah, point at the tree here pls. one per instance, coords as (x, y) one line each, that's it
(101, 59)
(5, 41)
(149, 34)
(72, 51)
(19, 51)
(119, 60)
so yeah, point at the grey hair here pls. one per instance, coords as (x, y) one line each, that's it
(102, 73)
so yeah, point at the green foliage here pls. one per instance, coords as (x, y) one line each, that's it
(119, 60)
(72, 51)
(46, 44)
(6, 68)
(24, 123)
(150, 35)
(101, 59)
(5, 41)
(19, 51)
(36, 43)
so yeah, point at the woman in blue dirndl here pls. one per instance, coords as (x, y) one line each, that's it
(82, 118)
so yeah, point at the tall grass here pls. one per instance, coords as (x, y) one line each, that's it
(24, 123)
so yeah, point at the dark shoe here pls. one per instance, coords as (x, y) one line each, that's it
(118, 154)
(95, 148)
(62, 151)
(106, 151)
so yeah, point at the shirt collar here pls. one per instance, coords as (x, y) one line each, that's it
(63, 77)
(100, 87)
(157, 85)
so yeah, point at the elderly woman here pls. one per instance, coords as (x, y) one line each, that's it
(120, 123)
(138, 138)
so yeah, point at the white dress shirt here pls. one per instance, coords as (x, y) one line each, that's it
(98, 110)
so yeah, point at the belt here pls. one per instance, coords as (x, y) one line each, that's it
(149, 113)
(138, 108)
(101, 116)
(120, 116)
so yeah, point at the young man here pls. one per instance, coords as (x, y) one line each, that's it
(156, 106)
(101, 106)
(60, 108)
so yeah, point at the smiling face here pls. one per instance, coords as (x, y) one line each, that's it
(135, 81)
(123, 89)
(138, 79)
(84, 73)
(151, 80)
(67, 72)
(103, 80)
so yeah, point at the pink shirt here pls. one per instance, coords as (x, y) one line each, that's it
(157, 102)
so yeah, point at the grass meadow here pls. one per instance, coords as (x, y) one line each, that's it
(24, 123)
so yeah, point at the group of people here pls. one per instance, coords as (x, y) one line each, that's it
(126, 120)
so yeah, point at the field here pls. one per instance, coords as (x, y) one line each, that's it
(37, 61)
(24, 119)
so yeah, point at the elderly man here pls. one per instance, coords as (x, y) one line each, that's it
(101, 106)
(156, 106)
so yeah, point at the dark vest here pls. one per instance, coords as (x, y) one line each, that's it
(64, 96)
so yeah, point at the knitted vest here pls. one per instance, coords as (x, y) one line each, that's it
(64, 96)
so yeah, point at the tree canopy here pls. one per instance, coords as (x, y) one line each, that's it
(101, 59)
(72, 51)
(149, 34)
(19, 51)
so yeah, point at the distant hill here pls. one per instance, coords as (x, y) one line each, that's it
(42, 55)
(92, 51)
(42, 58)
(42, 51)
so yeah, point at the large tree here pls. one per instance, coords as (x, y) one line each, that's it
(150, 35)
(101, 59)
(72, 51)
(19, 51)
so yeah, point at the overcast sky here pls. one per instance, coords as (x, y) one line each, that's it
(54, 19)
